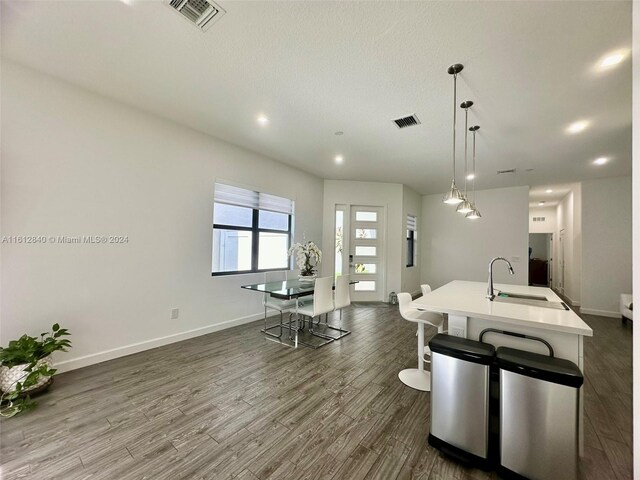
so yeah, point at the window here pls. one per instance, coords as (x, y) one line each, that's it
(362, 216)
(411, 240)
(365, 286)
(251, 231)
(339, 240)
(365, 251)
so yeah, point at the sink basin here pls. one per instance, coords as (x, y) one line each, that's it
(531, 300)
(521, 296)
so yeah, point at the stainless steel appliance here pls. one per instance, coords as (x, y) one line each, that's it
(460, 398)
(538, 415)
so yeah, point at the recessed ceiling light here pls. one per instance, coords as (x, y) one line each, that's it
(471, 176)
(577, 127)
(601, 161)
(612, 59)
(548, 190)
(262, 120)
(541, 203)
(127, 2)
(339, 159)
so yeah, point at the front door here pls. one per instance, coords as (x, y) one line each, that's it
(358, 250)
(366, 252)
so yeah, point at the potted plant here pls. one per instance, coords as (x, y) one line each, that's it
(308, 257)
(26, 366)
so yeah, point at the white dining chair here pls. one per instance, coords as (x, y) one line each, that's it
(279, 305)
(341, 299)
(322, 303)
(417, 378)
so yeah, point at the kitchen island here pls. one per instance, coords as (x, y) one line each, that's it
(470, 312)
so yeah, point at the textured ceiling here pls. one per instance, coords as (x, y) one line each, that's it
(318, 67)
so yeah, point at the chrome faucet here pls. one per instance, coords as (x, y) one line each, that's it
(490, 294)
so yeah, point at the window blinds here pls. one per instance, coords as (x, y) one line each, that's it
(411, 223)
(242, 197)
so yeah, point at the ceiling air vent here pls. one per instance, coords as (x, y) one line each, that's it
(511, 170)
(405, 122)
(201, 13)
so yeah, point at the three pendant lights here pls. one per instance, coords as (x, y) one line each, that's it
(454, 196)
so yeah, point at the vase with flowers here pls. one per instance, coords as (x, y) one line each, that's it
(308, 256)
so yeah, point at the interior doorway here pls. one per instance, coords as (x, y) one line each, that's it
(561, 262)
(540, 259)
(359, 249)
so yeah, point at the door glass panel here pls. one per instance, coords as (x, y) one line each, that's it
(365, 268)
(367, 216)
(365, 286)
(365, 251)
(370, 233)
(339, 241)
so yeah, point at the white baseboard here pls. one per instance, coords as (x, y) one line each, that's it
(572, 302)
(602, 313)
(100, 357)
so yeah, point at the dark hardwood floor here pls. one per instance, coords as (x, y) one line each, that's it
(234, 405)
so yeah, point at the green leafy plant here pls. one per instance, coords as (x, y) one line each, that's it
(30, 351)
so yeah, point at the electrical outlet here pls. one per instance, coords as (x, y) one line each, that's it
(175, 313)
(457, 332)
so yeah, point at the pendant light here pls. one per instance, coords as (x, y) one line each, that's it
(474, 213)
(465, 207)
(453, 196)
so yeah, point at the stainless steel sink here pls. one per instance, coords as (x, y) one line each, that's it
(522, 296)
(531, 300)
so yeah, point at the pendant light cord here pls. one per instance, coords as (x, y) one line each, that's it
(474, 167)
(455, 77)
(466, 125)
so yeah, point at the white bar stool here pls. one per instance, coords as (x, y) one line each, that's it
(417, 378)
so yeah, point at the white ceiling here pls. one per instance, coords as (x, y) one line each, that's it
(318, 67)
(539, 194)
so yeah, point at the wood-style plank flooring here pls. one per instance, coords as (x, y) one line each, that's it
(234, 405)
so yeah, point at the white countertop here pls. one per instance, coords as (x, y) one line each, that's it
(468, 299)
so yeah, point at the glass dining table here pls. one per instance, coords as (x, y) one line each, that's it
(293, 289)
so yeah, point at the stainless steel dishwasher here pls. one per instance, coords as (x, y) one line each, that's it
(460, 398)
(539, 398)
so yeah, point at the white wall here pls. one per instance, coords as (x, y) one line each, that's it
(411, 205)
(606, 244)
(387, 195)
(550, 220)
(454, 248)
(74, 163)
(569, 219)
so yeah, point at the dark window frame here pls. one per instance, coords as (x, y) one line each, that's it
(411, 246)
(255, 243)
